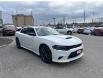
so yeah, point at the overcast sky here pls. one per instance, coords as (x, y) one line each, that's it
(44, 11)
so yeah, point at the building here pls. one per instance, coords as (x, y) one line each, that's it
(1, 23)
(22, 20)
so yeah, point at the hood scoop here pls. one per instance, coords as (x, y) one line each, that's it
(68, 37)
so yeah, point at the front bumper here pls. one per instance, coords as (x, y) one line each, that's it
(68, 60)
(9, 32)
(65, 55)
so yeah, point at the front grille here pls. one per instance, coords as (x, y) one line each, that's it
(66, 48)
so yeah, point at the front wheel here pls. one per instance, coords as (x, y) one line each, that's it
(69, 33)
(45, 54)
(4, 34)
(18, 43)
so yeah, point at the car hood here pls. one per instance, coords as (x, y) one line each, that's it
(62, 39)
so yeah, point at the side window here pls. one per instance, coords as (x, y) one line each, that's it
(31, 30)
(24, 30)
(28, 31)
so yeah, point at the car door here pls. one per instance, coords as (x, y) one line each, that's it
(29, 38)
(23, 36)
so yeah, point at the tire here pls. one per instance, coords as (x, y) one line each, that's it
(78, 32)
(18, 43)
(4, 34)
(69, 33)
(45, 54)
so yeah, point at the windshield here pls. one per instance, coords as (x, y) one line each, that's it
(11, 27)
(46, 31)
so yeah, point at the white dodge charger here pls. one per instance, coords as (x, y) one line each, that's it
(49, 44)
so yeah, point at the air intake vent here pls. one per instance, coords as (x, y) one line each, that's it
(68, 38)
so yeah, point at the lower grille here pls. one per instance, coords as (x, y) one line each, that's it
(73, 54)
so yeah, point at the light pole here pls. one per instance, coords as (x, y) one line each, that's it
(63, 20)
(84, 16)
(54, 20)
(92, 17)
(0, 14)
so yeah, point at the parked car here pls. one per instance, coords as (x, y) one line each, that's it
(8, 30)
(80, 30)
(64, 30)
(98, 31)
(88, 30)
(49, 44)
(75, 30)
(0, 31)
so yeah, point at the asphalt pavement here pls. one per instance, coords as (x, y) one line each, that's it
(5, 41)
(20, 63)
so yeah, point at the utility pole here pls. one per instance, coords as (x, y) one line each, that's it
(32, 17)
(0, 14)
(92, 16)
(49, 22)
(54, 20)
(16, 18)
(74, 22)
(1, 23)
(84, 17)
(63, 20)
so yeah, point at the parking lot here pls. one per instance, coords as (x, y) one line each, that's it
(23, 63)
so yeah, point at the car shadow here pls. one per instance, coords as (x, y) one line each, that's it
(29, 52)
(75, 62)
(72, 63)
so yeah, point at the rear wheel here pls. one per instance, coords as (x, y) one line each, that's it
(18, 43)
(45, 54)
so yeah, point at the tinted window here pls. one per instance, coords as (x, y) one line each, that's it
(28, 31)
(24, 31)
(18, 29)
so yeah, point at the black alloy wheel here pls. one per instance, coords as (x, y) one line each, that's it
(45, 54)
(69, 33)
(18, 43)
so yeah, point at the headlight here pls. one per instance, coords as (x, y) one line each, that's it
(57, 47)
(66, 48)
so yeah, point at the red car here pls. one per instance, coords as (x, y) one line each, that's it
(98, 31)
(80, 30)
(8, 30)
